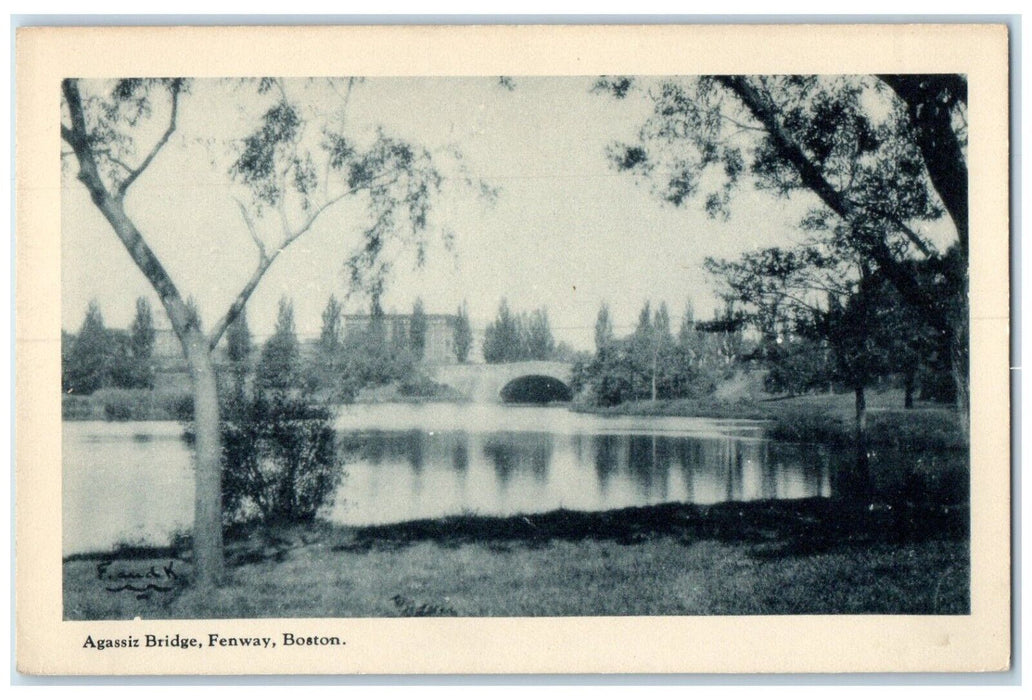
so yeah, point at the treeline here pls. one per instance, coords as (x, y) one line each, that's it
(808, 322)
(382, 350)
(99, 357)
(518, 337)
(654, 363)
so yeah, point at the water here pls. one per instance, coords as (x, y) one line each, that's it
(500, 460)
(133, 482)
(126, 483)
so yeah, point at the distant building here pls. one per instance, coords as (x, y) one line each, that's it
(166, 344)
(440, 332)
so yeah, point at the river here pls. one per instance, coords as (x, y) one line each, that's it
(132, 483)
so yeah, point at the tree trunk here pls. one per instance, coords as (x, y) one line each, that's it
(959, 368)
(207, 538)
(862, 476)
(653, 377)
(908, 387)
(861, 413)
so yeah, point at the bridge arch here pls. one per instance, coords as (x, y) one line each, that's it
(535, 388)
(483, 383)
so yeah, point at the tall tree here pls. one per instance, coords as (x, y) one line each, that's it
(332, 332)
(687, 335)
(540, 345)
(141, 332)
(281, 356)
(139, 369)
(238, 338)
(88, 366)
(809, 297)
(463, 333)
(603, 330)
(882, 154)
(645, 350)
(502, 339)
(295, 164)
(417, 329)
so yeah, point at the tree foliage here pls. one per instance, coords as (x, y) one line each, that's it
(650, 362)
(89, 360)
(463, 333)
(822, 319)
(539, 343)
(332, 332)
(882, 154)
(280, 364)
(515, 337)
(279, 463)
(238, 339)
(141, 332)
(100, 358)
(417, 330)
(603, 329)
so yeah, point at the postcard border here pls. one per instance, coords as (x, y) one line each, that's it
(980, 641)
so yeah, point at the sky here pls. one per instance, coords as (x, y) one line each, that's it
(565, 232)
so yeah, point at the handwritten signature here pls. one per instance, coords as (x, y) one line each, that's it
(156, 578)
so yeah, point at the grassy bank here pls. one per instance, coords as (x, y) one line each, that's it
(164, 404)
(128, 405)
(802, 557)
(827, 418)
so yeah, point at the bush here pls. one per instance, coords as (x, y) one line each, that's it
(176, 405)
(125, 404)
(279, 458)
(422, 387)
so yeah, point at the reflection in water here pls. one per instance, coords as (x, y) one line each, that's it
(511, 453)
(505, 472)
(460, 453)
(134, 482)
(606, 462)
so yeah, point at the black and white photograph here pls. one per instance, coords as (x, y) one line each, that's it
(598, 345)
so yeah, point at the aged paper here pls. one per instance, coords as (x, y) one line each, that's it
(48, 642)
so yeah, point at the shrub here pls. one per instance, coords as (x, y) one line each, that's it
(176, 405)
(129, 405)
(279, 458)
(422, 387)
(77, 408)
(125, 404)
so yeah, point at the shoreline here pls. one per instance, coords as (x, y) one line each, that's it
(823, 419)
(731, 521)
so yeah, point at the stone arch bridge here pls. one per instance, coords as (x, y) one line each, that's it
(483, 383)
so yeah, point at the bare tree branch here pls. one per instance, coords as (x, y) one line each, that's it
(67, 135)
(913, 236)
(111, 207)
(740, 125)
(133, 174)
(106, 152)
(267, 259)
(263, 254)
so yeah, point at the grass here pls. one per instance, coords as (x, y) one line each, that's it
(803, 557)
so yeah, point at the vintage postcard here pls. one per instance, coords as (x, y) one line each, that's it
(512, 349)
